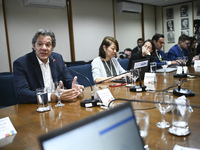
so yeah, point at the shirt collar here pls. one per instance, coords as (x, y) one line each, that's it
(40, 62)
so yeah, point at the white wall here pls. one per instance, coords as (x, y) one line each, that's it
(23, 22)
(4, 64)
(149, 21)
(92, 21)
(128, 29)
(159, 24)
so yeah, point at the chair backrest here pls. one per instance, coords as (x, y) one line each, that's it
(5, 73)
(75, 63)
(124, 63)
(85, 70)
(7, 91)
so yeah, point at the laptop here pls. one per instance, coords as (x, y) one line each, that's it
(113, 129)
(142, 65)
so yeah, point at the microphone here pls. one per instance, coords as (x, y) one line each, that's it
(112, 77)
(88, 102)
(140, 88)
(179, 91)
(182, 75)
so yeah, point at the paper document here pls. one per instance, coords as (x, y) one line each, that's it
(167, 70)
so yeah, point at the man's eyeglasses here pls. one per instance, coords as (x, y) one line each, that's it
(187, 43)
(161, 42)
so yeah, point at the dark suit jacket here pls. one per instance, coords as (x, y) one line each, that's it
(28, 75)
(135, 50)
(163, 56)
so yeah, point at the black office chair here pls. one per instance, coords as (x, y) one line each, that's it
(124, 63)
(85, 70)
(7, 92)
(75, 63)
(5, 73)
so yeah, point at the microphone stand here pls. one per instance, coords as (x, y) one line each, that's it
(140, 88)
(87, 102)
(179, 91)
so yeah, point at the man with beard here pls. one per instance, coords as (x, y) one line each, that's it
(158, 40)
(180, 50)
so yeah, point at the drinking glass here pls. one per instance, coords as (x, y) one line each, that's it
(42, 98)
(163, 103)
(180, 117)
(153, 67)
(59, 89)
(164, 66)
(136, 75)
(129, 79)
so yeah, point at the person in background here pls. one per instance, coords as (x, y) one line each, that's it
(192, 47)
(139, 45)
(192, 51)
(41, 68)
(106, 65)
(147, 51)
(158, 40)
(126, 54)
(180, 50)
(198, 49)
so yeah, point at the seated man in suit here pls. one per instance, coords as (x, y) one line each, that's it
(180, 50)
(41, 68)
(139, 45)
(158, 40)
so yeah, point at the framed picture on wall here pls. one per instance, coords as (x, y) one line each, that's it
(170, 37)
(198, 9)
(169, 13)
(170, 25)
(184, 23)
(185, 32)
(184, 11)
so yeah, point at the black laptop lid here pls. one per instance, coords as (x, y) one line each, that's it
(142, 65)
(113, 129)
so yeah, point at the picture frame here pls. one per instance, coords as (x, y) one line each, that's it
(184, 11)
(171, 37)
(184, 23)
(169, 13)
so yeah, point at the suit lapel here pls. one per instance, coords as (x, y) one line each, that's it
(52, 63)
(37, 69)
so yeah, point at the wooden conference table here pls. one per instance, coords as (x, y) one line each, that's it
(30, 124)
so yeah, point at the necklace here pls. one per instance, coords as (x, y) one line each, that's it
(109, 68)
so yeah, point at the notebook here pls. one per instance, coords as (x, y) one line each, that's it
(167, 70)
(113, 129)
(142, 65)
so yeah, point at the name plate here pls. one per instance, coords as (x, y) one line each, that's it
(197, 65)
(6, 128)
(150, 78)
(181, 69)
(105, 96)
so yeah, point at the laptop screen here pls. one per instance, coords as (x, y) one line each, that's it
(142, 65)
(115, 129)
